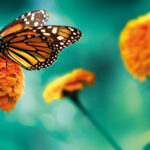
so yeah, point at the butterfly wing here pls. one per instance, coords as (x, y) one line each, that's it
(37, 48)
(28, 20)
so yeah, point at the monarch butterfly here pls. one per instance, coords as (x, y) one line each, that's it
(32, 45)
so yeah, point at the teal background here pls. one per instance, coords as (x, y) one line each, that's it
(120, 103)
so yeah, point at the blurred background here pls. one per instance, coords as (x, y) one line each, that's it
(118, 102)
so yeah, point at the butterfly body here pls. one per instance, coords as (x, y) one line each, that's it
(3, 45)
(32, 45)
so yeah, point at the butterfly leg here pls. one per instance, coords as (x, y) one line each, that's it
(5, 60)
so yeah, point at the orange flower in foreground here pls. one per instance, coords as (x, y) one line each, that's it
(11, 84)
(73, 81)
(135, 46)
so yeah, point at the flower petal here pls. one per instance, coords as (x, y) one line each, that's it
(135, 46)
(11, 84)
(73, 81)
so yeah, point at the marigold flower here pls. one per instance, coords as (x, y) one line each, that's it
(135, 46)
(11, 84)
(73, 81)
(68, 86)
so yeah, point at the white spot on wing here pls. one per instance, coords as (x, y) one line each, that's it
(42, 11)
(32, 17)
(60, 37)
(74, 33)
(29, 13)
(54, 30)
(43, 21)
(25, 19)
(48, 34)
(40, 27)
(71, 29)
(36, 24)
(27, 22)
(43, 30)
(22, 16)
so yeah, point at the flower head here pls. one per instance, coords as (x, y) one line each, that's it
(73, 81)
(11, 84)
(135, 46)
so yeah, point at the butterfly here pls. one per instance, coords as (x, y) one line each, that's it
(31, 44)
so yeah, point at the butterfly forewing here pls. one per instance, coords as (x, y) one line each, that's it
(38, 47)
(28, 20)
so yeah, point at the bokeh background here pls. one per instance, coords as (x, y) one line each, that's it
(118, 102)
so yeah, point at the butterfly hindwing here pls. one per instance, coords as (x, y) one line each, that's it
(28, 20)
(38, 47)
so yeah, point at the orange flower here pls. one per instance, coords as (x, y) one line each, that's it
(73, 81)
(135, 46)
(11, 84)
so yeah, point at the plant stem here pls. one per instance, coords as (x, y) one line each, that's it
(74, 97)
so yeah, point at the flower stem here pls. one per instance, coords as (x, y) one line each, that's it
(74, 97)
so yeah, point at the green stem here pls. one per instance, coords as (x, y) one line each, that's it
(74, 97)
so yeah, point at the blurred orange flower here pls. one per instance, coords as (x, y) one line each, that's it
(135, 46)
(11, 84)
(73, 81)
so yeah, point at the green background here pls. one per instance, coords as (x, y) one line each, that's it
(120, 103)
